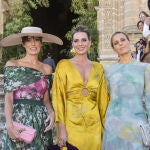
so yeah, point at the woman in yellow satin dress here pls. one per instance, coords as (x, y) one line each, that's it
(80, 97)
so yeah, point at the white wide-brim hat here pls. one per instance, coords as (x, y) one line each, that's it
(16, 39)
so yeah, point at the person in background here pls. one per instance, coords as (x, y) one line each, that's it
(128, 82)
(146, 55)
(148, 4)
(140, 48)
(48, 60)
(133, 54)
(80, 96)
(140, 25)
(26, 85)
(145, 18)
(143, 15)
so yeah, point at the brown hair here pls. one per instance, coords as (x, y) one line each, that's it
(81, 28)
(143, 12)
(118, 32)
(139, 23)
(25, 39)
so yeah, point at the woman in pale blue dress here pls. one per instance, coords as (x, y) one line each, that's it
(128, 82)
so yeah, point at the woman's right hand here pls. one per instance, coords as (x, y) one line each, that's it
(14, 132)
(62, 136)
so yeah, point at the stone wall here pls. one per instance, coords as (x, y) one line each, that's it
(1, 17)
(117, 15)
(2, 117)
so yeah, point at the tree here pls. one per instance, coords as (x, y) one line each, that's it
(86, 16)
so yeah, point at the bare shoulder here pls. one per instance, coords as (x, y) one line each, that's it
(12, 63)
(47, 69)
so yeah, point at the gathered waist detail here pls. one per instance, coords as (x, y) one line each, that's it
(79, 94)
(28, 101)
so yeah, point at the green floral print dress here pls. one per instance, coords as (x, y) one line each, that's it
(28, 86)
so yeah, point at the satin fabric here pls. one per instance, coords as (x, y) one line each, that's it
(81, 108)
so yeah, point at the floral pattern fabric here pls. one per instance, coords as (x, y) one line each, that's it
(28, 86)
(128, 84)
(33, 91)
(16, 77)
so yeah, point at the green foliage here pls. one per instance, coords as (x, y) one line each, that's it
(19, 16)
(14, 52)
(36, 3)
(88, 17)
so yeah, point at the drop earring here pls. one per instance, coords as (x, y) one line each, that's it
(72, 51)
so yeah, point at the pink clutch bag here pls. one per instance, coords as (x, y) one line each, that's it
(28, 134)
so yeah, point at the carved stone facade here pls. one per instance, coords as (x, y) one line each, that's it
(1, 18)
(1, 24)
(117, 15)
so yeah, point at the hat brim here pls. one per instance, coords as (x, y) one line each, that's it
(15, 39)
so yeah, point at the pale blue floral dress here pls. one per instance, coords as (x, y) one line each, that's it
(128, 84)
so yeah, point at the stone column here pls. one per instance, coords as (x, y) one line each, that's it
(107, 24)
(1, 17)
(132, 9)
(1, 27)
(114, 16)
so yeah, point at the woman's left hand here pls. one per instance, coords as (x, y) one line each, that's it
(50, 119)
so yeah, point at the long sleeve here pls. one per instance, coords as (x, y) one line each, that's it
(103, 98)
(146, 30)
(147, 89)
(59, 94)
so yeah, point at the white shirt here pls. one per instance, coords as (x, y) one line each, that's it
(138, 55)
(146, 30)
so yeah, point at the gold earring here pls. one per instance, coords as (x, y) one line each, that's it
(72, 51)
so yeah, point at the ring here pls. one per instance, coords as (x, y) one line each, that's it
(63, 143)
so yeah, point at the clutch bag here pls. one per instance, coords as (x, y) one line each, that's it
(144, 129)
(28, 134)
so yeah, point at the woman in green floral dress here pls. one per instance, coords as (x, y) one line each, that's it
(26, 91)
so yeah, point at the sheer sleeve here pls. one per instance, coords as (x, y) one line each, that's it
(59, 93)
(147, 89)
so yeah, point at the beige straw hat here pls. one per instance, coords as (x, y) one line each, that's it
(15, 39)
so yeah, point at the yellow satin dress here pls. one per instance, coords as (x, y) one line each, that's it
(81, 108)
